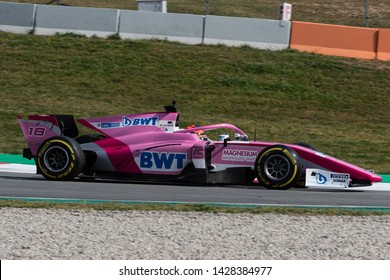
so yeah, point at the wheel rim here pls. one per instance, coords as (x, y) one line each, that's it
(277, 167)
(56, 159)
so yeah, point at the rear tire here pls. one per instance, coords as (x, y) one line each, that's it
(60, 158)
(278, 167)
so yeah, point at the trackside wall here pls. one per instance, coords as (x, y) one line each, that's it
(334, 40)
(383, 52)
(168, 26)
(16, 18)
(258, 33)
(186, 28)
(86, 21)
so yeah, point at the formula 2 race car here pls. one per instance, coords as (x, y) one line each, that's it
(152, 147)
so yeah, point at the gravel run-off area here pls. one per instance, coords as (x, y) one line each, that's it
(111, 235)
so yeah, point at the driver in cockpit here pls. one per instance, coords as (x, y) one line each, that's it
(200, 133)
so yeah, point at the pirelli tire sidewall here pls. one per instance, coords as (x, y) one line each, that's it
(286, 176)
(60, 158)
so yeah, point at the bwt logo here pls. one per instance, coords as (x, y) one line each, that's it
(126, 121)
(156, 160)
(321, 179)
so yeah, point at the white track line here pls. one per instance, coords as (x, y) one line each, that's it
(375, 187)
(18, 168)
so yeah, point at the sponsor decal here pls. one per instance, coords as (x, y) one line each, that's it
(239, 155)
(126, 121)
(162, 161)
(109, 124)
(167, 126)
(34, 143)
(340, 178)
(321, 179)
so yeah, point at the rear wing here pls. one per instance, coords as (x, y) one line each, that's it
(37, 128)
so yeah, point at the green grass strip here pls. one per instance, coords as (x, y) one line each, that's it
(6, 158)
(385, 177)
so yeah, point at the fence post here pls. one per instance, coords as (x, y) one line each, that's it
(206, 2)
(34, 19)
(366, 13)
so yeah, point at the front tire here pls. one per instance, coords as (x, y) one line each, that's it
(278, 167)
(60, 158)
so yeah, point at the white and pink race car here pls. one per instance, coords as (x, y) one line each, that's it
(152, 147)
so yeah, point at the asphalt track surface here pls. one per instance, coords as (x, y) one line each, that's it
(31, 186)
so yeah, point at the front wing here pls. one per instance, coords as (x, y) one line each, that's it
(318, 178)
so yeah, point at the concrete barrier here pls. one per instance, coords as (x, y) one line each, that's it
(383, 50)
(16, 18)
(173, 27)
(257, 33)
(85, 21)
(192, 29)
(356, 42)
(334, 40)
